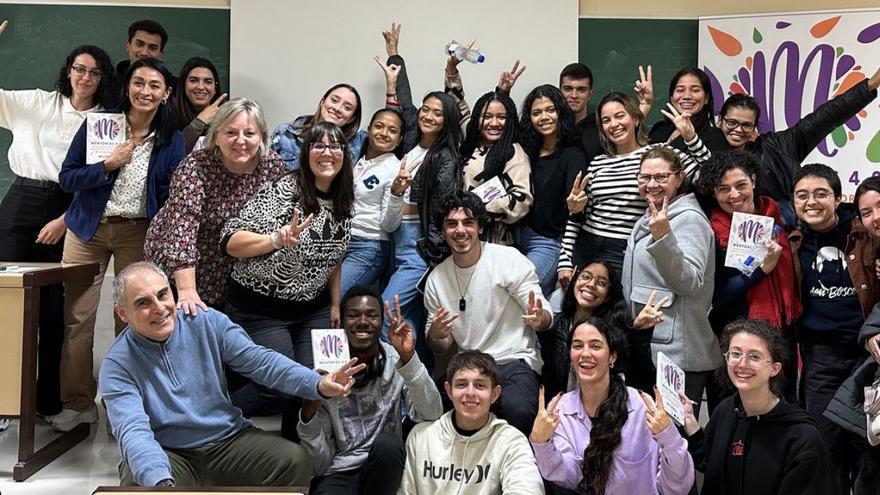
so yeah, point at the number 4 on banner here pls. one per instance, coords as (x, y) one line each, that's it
(854, 178)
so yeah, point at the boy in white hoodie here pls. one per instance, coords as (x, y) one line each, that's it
(469, 451)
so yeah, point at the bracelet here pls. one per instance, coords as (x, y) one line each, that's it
(274, 242)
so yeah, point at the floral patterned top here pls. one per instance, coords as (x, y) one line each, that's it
(186, 231)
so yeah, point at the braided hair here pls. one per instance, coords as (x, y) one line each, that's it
(502, 150)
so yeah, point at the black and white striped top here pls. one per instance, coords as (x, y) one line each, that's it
(615, 205)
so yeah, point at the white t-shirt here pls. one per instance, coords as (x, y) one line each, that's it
(371, 178)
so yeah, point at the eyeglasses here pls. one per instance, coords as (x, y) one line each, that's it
(587, 277)
(658, 178)
(732, 124)
(754, 360)
(335, 148)
(81, 71)
(818, 195)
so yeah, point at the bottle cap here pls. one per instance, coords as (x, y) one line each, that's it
(481, 59)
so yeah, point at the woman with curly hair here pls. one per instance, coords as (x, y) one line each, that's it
(603, 437)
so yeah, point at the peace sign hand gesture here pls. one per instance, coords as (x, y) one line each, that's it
(645, 90)
(682, 121)
(651, 314)
(547, 419)
(400, 333)
(392, 38)
(577, 199)
(659, 222)
(534, 316)
(404, 177)
(339, 382)
(207, 115)
(655, 414)
(288, 236)
(508, 78)
(441, 326)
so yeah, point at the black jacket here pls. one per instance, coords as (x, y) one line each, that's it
(780, 452)
(782, 152)
(711, 136)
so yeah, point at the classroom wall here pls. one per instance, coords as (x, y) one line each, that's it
(695, 8)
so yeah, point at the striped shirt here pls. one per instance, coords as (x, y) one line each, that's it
(614, 203)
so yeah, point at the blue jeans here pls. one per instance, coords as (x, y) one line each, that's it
(543, 252)
(365, 261)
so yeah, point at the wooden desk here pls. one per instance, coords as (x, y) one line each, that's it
(20, 305)
(131, 490)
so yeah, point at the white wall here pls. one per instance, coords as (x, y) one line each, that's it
(286, 54)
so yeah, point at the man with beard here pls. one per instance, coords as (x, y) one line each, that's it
(356, 442)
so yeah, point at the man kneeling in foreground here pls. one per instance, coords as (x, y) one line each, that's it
(468, 450)
(165, 392)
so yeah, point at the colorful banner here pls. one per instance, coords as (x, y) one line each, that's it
(791, 64)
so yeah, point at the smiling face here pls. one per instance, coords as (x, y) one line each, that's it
(148, 305)
(753, 371)
(147, 90)
(339, 106)
(815, 204)
(492, 123)
(869, 211)
(200, 87)
(689, 95)
(738, 126)
(471, 393)
(385, 133)
(325, 161)
(654, 170)
(362, 320)
(239, 141)
(431, 117)
(591, 287)
(144, 45)
(590, 356)
(618, 126)
(85, 85)
(544, 116)
(462, 231)
(735, 192)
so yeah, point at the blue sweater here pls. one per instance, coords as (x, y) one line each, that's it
(173, 394)
(92, 187)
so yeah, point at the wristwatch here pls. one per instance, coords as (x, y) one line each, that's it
(167, 482)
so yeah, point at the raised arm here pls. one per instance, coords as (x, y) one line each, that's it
(681, 256)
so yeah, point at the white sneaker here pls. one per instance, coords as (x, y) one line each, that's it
(67, 419)
(4, 424)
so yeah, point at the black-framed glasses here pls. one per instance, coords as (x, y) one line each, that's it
(334, 148)
(818, 195)
(81, 71)
(661, 178)
(754, 360)
(733, 124)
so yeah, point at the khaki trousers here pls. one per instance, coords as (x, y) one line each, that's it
(125, 243)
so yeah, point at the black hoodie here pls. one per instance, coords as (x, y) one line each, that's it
(778, 453)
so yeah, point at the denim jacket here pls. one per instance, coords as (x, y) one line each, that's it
(286, 140)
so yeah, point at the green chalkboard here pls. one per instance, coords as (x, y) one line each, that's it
(614, 48)
(39, 37)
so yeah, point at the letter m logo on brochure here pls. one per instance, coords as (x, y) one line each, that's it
(491, 189)
(329, 349)
(670, 381)
(104, 131)
(746, 232)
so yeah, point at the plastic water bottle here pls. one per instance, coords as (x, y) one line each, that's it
(462, 52)
(758, 252)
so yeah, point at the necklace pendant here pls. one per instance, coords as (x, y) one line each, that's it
(461, 304)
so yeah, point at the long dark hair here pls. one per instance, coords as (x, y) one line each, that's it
(530, 139)
(610, 417)
(501, 151)
(398, 150)
(342, 186)
(614, 310)
(348, 130)
(183, 108)
(705, 117)
(163, 122)
(449, 139)
(102, 95)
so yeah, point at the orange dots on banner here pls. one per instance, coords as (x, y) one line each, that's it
(862, 113)
(749, 62)
(737, 89)
(725, 42)
(824, 27)
(849, 81)
(850, 135)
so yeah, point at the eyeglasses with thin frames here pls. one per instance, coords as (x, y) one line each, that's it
(754, 360)
(81, 71)
(661, 178)
(587, 277)
(818, 195)
(335, 148)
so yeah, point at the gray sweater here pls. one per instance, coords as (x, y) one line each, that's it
(681, 266)
(340, 435)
